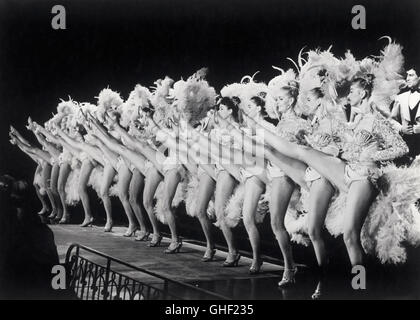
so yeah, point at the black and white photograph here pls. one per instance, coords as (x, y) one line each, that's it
(209, 150)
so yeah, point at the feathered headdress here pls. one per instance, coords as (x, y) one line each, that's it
(194, 97)
(320, 69)
(67, 107)
(160, 100)
(138, 99)
(84, 107)
(64, 109)
(107, 100)
(387, 77)
(285, 79)
(233, 90)
(252, 88)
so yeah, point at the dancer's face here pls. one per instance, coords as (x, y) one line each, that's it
(224, 112)
(252, 109)
(284, 101)
(356, 95)
(312, 103)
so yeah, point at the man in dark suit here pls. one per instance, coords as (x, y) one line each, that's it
(407, 112)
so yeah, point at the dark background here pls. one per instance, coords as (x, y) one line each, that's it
(123, 42)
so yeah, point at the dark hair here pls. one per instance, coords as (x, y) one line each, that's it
(411, 68)
(232, 105)
(260, 102)
(365, 84)
(317, 92)
(292, 89)
(236, 100)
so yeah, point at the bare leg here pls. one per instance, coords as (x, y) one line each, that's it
(135, 198)
(42, 198)
(224, 189)
(61, 185)
(281, 191)
(153, 178)
(85, 172)
(171, 181)
(135, 158)
(253, 190)
(206, 189)
(54, 192)
(46, 174)
(320, 195)
(360, 197)
(107, 177)
(124, 178)
(294, 169)
(328, 166)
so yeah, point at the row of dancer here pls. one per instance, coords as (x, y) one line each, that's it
(286, 148)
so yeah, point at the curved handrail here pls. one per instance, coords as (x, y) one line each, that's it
(151, 273)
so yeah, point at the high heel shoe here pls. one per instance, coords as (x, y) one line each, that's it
(64, 220)
(129, 233)
(52, 215)
(108, 227)
(55, 220)
(317, 295)
(288, 277)
(208, 255)
(88, 223)
(176, 249)
(232, 263)
(155, 243)
(43, 212)
(143, 236)
(255, 269)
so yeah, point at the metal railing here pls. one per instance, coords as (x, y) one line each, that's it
(93, 281)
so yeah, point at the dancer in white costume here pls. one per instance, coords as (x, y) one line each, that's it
(372, 140)
(341, 169)
(42, 159)
(283, 92)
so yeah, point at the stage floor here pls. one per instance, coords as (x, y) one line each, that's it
(235, 283)
(185, 266)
